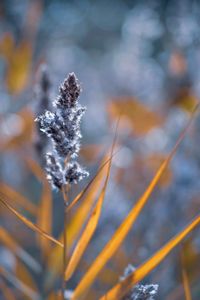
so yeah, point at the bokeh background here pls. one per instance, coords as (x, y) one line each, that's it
(137, 59)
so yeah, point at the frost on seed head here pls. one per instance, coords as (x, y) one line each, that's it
(54, 171)
(139, 292)
(74, 173)
(69, 92)
(63, 129)
(42, 103)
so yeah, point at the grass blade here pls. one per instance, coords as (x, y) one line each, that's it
(23, 274)
(30, 224)
(45, 216)
(89, 229)
(120, 234)
(9, 193)
(35, 168)
(92, 181)
(18, 284)
(6, 291)
(186, 285)
(12, 244)
(55, 261)
(45, 208)
(118, 291)
(74, 227)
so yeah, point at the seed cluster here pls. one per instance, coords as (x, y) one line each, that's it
(139, 292)
(62, 126)
(42, 95)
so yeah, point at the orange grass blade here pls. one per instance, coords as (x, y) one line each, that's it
(119, 290)
(89, 229)
(9, 193)
(45, 208)
(30, 224)
(55, 261)
(12, 244)
(45, 216)
(18, 284)
(126, 225)
(186, 284)
(82, 193)
(22, 273)
(6, 291)
(75, 226)
(35, 168)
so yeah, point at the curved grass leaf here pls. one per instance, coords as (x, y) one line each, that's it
(45, 207)
(89, 229)
(18, 284)
(74, 227)
(119, 290)
(6, 291)
(30, 224)
(13, 245)
(9, 193)
(55, 260)
(185, 280)
(121, 233)
(92, 181)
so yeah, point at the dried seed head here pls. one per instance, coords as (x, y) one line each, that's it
(42, 96)
(63, 128)
(69, 92)
(74, 173)
(144, 292)
(45, 82)
(54, 171)
(42, 90)
(139, 292)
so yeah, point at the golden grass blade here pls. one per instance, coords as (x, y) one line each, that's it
(35, 168)
(18, 284)
(74, 227)
(6, 291)
(18, 69)
(9, 193)
(23, 274)
(119, 290)
(55, 261)
(85, 238)
(45, 216)
(89, 229)
(126, 225)
(82, 193)
(186, 284)
(45, 208)
(12, 244)
(30, 224)
(52, 296)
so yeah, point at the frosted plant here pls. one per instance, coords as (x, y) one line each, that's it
(139, 292)
(42, 95)
(63, 128)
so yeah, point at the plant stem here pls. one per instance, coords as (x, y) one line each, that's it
(65, 191)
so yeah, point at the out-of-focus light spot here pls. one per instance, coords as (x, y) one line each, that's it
(7, 259)
(142, 22)
(156, 140)
(123, 158)
(12, 125)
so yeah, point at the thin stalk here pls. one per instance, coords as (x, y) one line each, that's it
(65, 192)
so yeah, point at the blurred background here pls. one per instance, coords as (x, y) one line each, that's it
(140, 59)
